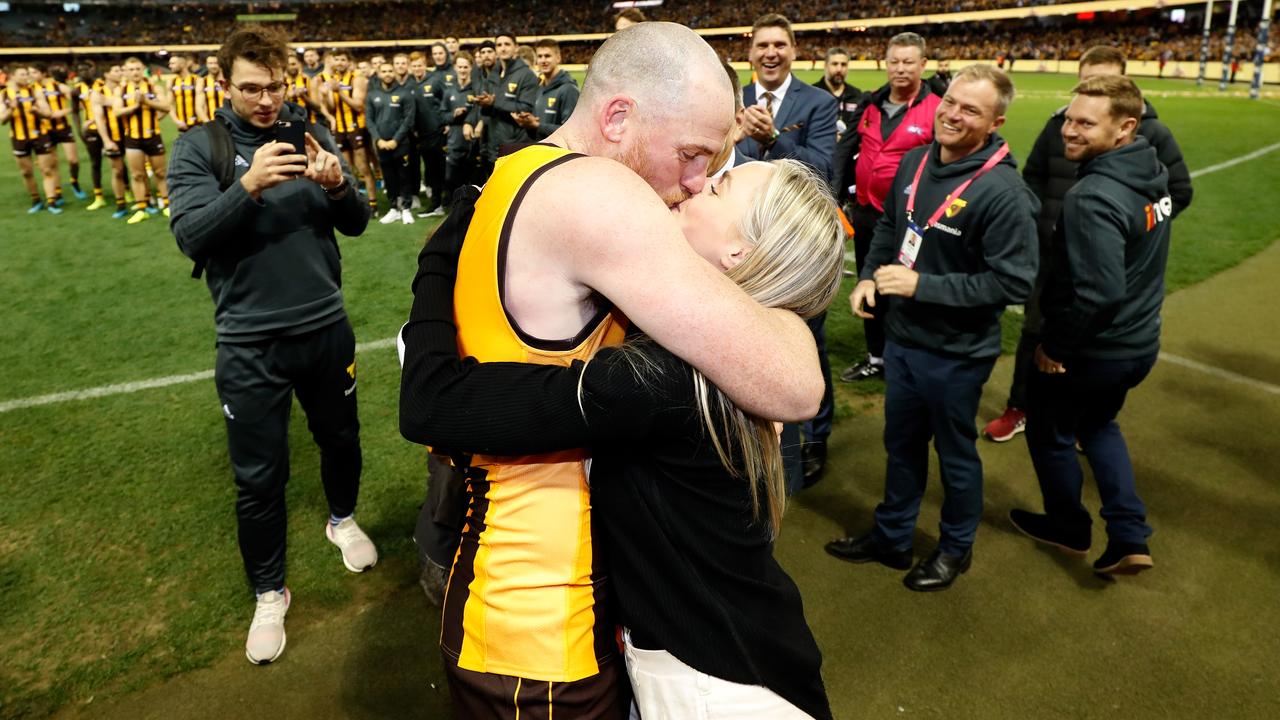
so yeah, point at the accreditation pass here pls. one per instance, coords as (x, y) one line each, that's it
(911, 242)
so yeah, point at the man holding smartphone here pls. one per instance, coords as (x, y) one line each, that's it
(260, 220)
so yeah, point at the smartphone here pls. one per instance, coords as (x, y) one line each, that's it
(294, 133)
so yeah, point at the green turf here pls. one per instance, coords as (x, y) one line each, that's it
(117, 538)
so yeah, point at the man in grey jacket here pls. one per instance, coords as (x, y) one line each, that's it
(266, 241)
(509, 89)
(557, 94)
(389, 115)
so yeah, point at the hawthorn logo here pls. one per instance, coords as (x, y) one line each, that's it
(955, 207)
(351, 370)
(511, 87)
(551, 102)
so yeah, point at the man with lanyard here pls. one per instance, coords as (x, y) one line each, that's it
(557, 92)
(846, 95)
(1102, 297)
(887, 123)
(957, 243)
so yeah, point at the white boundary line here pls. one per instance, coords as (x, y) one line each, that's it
(1220, 373)
(1236, 161)
(139, 385)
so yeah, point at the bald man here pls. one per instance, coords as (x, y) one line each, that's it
(570, 241)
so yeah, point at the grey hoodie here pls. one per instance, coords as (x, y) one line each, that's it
(272, 264)
(556, 101)
(1105, 278)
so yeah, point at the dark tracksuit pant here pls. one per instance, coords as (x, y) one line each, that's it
(1082, 404)
(256, 383)
(431, 153)
(864, 219)
(931, 396)
(397, 174)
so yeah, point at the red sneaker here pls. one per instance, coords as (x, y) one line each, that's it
(1003, 428)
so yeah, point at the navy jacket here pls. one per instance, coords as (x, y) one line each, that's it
(807, 123)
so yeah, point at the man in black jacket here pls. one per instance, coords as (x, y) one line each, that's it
(1103, 292)
(834, 74)
(510, 88)
(955, 245)
(1050, 174)
(267, 243)
(557, 93)
(389, 116)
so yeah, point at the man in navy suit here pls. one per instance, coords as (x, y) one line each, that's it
(786, 118)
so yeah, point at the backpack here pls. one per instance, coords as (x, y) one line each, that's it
(222, 156)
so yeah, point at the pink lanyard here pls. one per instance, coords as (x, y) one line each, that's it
(955, 194)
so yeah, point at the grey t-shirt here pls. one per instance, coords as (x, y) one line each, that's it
(892, 115)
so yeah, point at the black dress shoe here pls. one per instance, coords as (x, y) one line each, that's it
(814, 457)
(1122, 558)
(938, 571)
(862, 371)
(867, 549)
(1042, 528)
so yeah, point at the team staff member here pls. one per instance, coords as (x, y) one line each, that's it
(102, 104)
(485, 67)
(460, 153)
(957, 243)
(1101, 305)
(23, 108)
(187, 89)
(888, 122)
(343, 91)
(1051, 174)
(389, 111)
(509, 89)
(557, 92)
(268, 247)
(785, 118)
(56, 126)
(140, 107)
(834, 73)
(432, 134)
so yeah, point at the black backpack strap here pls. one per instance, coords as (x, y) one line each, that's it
(222, 157)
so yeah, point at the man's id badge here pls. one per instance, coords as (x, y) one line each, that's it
(911, 243)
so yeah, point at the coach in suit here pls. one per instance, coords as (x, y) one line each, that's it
(786, 118)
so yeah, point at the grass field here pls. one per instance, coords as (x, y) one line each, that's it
(118, 563)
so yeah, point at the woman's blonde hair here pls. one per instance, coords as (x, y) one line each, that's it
(796, 264)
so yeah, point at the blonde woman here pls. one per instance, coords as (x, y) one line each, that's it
(686, 489)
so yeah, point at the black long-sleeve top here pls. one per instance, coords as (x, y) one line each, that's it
(692, 566)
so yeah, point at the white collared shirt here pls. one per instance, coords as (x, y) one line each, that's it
(778, 94)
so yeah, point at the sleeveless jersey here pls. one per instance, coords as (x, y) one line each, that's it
(84, 95)
(214, 95)
(185, 93)
(522, 597)
(345, 117)
(115, 127)
(144, 123)
(303, 83)
(24, 124)
(57, 101)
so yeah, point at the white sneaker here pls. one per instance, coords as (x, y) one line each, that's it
(266, 634)
(438, 212)
(415, 203)
(406, 217)
(358, 552)
(392, 216)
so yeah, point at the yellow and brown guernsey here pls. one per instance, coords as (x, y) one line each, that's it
(345, 118)
(522, 597)
(144, 123)
(24, 124)
(185, 91)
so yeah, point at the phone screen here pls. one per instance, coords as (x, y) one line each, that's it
(294, 133)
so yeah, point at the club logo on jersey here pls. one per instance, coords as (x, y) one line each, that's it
(511, 87)
(448, 78)
(955, 207)
(395, 98)
(351, 370)
(1157, 212)
(426, 88)
(551, 102)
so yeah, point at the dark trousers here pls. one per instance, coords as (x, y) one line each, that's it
(928, 395)
(864, 219)
(1024, 360)
(443, 513)
(1082, 404)
(792, 460)
(818, 428)
(256, 383)
(397, 176)
(433, 170)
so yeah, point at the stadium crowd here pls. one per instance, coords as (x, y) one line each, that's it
(399, 136)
